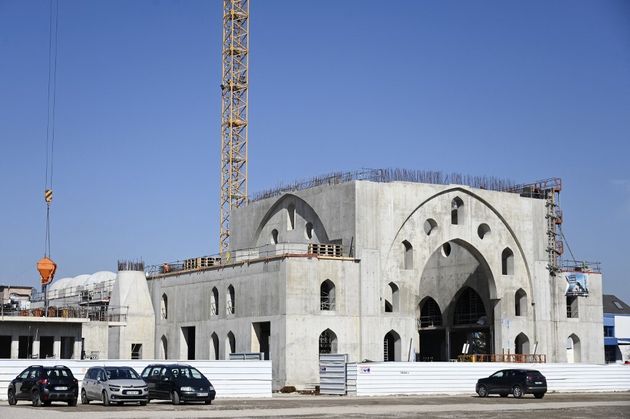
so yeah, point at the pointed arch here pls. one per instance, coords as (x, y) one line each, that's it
(408, 255)
(291, 217)
(328, 342)
(214, 346)
(163, 347)
(521, 344)
(469, 308)
(229, 300)
(230, 344)
(327, 296)
(430, 313)
(574, 349)
(392, 348)
(392, 298)
(214, 302)
(457, 211)
(507, 261)
(520, 302)
(164, 307)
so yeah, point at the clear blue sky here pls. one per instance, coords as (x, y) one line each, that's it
(523, 90)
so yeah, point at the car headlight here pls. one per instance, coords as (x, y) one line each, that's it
(186, 389)
(211, 387)
(114, 388)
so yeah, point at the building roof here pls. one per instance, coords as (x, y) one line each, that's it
(614, 305)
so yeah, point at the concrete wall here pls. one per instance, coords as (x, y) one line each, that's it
(55, 329)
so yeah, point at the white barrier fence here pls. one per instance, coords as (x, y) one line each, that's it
(229, 378)
(390, 378)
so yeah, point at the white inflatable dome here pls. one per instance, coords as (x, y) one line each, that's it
(83, 281)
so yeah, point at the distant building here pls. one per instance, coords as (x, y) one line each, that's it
(616, 329)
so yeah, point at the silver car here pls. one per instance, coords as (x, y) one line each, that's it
(114, 385)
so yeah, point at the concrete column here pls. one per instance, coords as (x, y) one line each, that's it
(57, 347)
(35, 351)
(77, 349)
(15, 346)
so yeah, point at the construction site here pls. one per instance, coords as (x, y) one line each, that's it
(382, 265)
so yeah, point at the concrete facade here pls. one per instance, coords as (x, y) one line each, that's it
(414, 269)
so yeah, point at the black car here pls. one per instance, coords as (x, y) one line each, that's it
(43, 385)
(516, 382)
(177, 383)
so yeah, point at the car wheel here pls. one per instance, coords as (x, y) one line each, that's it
(482, 391)
(175, 397)
(11, 397)
(143, 403)
(105, 399)
(208, 401)
(503, 394)
(517, 392)
(84, 397)
(37, 401)
(72, 402)
(47, 403)
(539, 395)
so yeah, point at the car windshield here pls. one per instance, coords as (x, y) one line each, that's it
(121, 374)
(58, 372)
(186, 372)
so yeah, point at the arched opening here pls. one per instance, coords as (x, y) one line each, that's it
(507, 261)
(327, 295)
(392, 297)
(164, 307)
(457, 211)
(274, 236)
(391, 347)
(408, 255)
(214, 346)
(430, 331)
(520, 303)
(572, 307)
(309, 230)
(521, 344)
(291, 220)
(164, 348)
(214, 302)
(327, 342)
(430, 225)
(229, 301)
(483, 231)
(230, 345)
(466, 287)
(574, 352)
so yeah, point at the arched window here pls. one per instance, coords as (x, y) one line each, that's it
(483, 230)
(164, 348)
(391, 346)
(214, 346)
(392, 298)
(164, 307)
(457, 211)
(507, 261)
(574, 350)
(291, 221)
(229, 301)
(274, 236)
(430, 225)
(230, 345)
(521, 344)
(430, 313)
(408, 258)
(520, 303)
(469, 309)
(214, 302)
(309, 230)
(327, 295)
(328, 342)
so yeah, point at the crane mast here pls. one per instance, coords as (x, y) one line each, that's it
(234, 95)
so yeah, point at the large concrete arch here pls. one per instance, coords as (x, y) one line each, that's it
(302, 208)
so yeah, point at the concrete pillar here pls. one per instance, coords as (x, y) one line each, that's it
(57, 347)
(35, 351)
(76, 353)
(15, 346)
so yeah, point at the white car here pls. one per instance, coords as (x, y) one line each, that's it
(114, 385)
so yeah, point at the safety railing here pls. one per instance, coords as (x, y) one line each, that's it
(100, 313)
(515, 358)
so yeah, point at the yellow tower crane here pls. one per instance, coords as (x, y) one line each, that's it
(234, 84)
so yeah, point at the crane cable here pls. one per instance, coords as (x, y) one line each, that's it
(50, 124)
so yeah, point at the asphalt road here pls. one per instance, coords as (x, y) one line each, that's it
(572, 405)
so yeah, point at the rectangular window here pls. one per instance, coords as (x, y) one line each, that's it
(572, 307)
(136, 351)
(609, 331)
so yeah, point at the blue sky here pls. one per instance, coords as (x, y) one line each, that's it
(523, 90)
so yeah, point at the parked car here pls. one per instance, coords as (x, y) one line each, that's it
(515, 381)
(177, 383)
(43, 385)
(114, 385)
